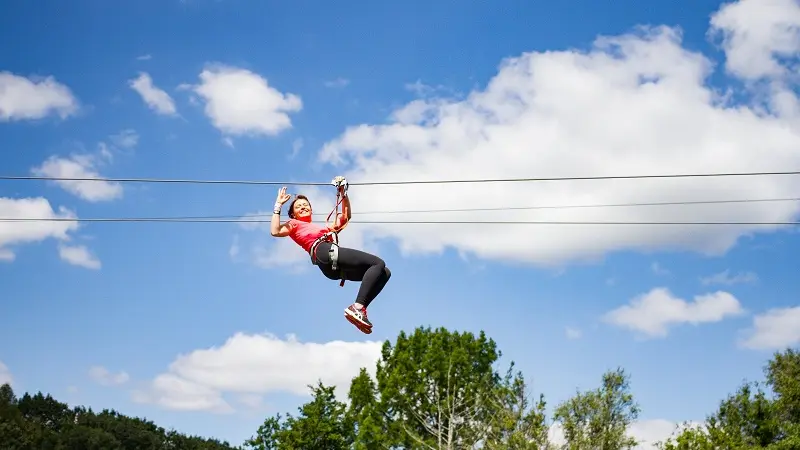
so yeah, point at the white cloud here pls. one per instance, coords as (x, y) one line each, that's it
(5, 375)
(337, 83)
(144, 57)
(633, 104)
(775, 329)
(105, 377)
(34, 98)
(79, 166)
(172, 392)
(755, 35)
(21, 232)
(725, 277)
(127, 138)
(241, 102)
(254, 364)
(573, 333)
(157, 99)
(79, 255)
(653, 313)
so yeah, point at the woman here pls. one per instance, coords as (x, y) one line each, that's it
(352, 265)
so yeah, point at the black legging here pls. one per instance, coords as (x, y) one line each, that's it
(370, 270)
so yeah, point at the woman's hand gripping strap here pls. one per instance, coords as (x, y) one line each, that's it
(341, 190)
(341, 185)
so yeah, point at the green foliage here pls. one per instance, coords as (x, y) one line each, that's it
(322, 423)
(39, 422)
(439, 390)
(751, 418)
(433, 389)
(600, 418)
(516, 424)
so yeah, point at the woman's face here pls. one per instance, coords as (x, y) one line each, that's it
(301, 208)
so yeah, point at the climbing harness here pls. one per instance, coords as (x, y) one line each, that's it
(332, 236)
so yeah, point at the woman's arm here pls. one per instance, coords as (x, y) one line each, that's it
(277, 229)
(343, 217)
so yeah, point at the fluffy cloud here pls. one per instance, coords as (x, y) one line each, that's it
(241, 102)
(79, 166)
(29, 99)
(5, 375)
(775, 329)
(633, 104)
(755, 36)
(17, 233)
(157, 99)
(105, 377)
(249, 365)
(653, 313)
(79, 255)
(725, 277)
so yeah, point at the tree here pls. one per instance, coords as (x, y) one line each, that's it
(516, 424)
(322, 423)
(40, 422)
(365, 413)
(435, 388)
(751, 418)
(599, 419)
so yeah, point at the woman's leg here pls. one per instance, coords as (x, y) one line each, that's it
(361, 266)
(369, 269)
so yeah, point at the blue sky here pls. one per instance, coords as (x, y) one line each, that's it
(132, 297)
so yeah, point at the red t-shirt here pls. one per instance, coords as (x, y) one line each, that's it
(305, 233)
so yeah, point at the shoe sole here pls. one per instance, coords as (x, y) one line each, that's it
(364, 328)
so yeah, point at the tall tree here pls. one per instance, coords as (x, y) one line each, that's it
(436, 389)
(516, 423)
(365, 413)
(321, 423)
(599, 419)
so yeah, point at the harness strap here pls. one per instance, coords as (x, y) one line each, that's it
(333, 253)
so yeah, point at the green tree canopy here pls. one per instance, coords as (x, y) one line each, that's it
(40, 422)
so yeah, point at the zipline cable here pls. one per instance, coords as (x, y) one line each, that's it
(385, 183)
(521, 208)
(251, 217)
(395, 222)
(512, 208)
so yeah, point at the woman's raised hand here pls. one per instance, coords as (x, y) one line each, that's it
(283, 197)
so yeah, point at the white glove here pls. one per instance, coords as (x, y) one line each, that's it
(341, 183)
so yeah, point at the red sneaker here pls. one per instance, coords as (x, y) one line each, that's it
(358, 317)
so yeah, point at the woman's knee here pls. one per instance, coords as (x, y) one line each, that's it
(386, 272)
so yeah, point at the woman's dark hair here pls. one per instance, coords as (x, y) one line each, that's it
(291, 205)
